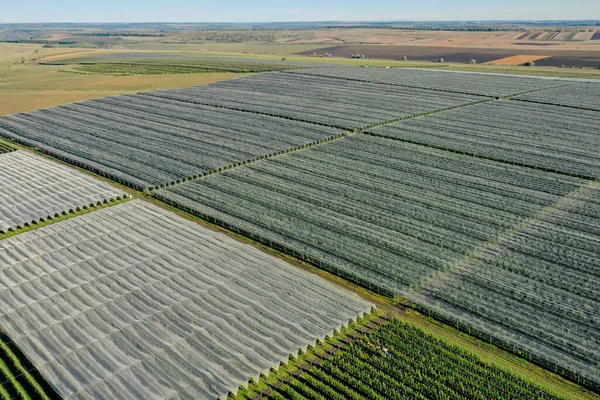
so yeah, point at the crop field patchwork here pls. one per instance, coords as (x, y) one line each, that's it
(540, 136)
(33, 189)
(445, 81)
(328, 101)
(585, 96)
(396, 216)
(137, 301)
(143, 141)
(399, 361)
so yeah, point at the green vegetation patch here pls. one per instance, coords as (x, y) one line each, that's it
(398, 361)
(133, 69)
(5, 148)
(157, 66)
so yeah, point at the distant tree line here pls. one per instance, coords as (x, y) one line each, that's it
(432, 28)
(126, 34)
(38, 41)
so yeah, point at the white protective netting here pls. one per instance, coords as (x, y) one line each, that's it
(33, 188)
(133, 301)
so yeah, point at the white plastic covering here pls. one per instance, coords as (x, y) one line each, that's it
(32, 187)
(133, 301)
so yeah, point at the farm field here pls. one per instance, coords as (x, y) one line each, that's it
(399, 361)
(143, 141)
(407, 215)
(18, 378)
(30, 86)
(149, 63)
(583, 96)
(539, 136)
(33, 189)
(545, 67)
(326, 101)
(145, 297)
(461, 54)
(431, 189)
(567, 63)
(443, 81)
(238, 48)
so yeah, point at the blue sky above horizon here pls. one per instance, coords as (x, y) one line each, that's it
(12, 11)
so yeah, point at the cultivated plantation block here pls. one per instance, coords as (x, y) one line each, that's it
(144, 142)
(33, 189)
(405, 219)
(437, 80)
(540, 136)
(327, 101)
(137, 302)
(585, 96)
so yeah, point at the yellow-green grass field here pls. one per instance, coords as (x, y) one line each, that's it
(28, 86)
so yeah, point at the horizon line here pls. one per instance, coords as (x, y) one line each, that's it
(302, 21)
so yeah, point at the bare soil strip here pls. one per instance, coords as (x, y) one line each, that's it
(517, 60)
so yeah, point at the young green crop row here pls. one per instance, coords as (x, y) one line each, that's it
(18, 379)
(4, 148)
(398, 361)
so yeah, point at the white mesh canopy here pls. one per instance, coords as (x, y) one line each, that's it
(32, 187)
(135, 302)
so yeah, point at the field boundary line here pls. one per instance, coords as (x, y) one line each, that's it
(483, 157)
(553, 104)
(510, 96)
(424, 114)
(151, 94)
(66, 214)
(346, 132)
(248, 161)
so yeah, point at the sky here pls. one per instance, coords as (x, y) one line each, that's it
(14, 11)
